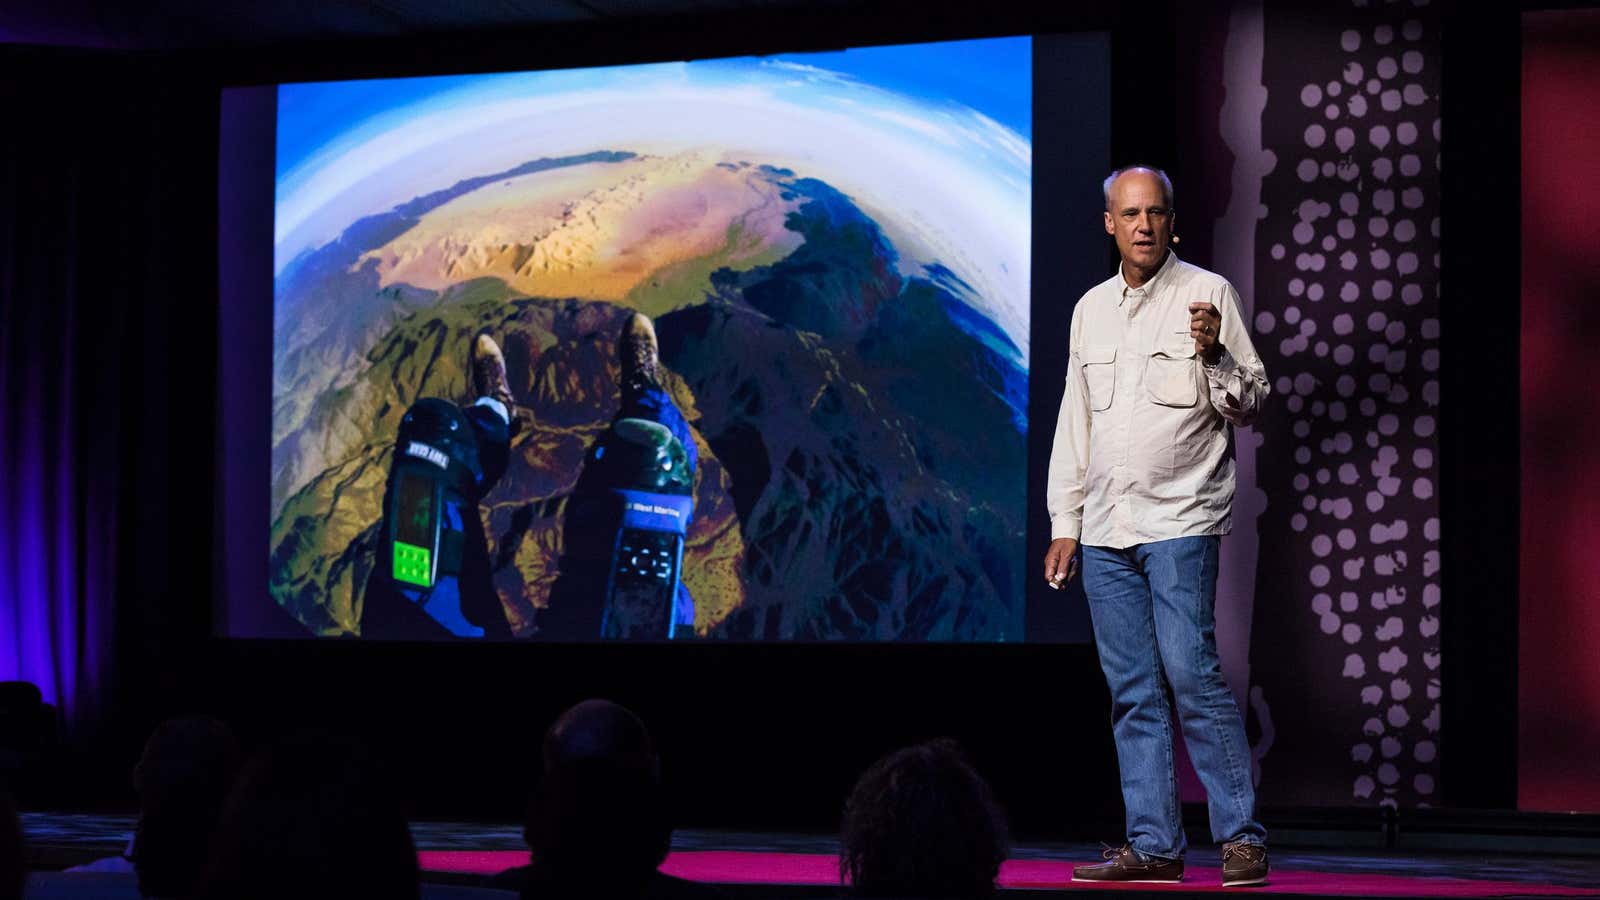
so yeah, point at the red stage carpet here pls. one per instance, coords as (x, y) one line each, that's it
(737, 867)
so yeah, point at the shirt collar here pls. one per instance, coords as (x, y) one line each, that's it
(1148, 288)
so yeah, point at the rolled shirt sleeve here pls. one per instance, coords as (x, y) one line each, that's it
(1238, 382)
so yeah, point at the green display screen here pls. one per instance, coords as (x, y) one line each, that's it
(414, 511)
(413, 564)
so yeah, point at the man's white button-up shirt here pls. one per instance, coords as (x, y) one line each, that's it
(1143, 446)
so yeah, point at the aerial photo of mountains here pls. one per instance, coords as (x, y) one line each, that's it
(834, 249)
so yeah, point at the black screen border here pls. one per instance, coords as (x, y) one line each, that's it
(1071, 126)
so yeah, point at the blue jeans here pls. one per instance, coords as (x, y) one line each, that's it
(1153, 607)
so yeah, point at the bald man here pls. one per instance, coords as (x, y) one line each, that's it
(1141, 476)
(598, 824)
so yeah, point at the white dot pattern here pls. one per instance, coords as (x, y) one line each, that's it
(1347, 314)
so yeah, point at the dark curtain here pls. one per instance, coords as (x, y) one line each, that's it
(107, 355)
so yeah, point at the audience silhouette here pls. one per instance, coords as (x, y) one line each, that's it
(598, 824)
(312, 817)
(922, 823)
(183, 778)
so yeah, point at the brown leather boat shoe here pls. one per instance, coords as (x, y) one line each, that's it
(1127, 865)
(1244, 864)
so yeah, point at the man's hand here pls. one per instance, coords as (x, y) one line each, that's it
(1061, 562)
(1205, 324)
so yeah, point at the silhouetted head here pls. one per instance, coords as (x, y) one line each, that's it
(598, 819)
(922, 823)
(12, 868)
(600, 730)
(313, 817)
(183, 778)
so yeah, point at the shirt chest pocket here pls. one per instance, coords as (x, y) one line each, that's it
(1100, 374)
(1170, 377)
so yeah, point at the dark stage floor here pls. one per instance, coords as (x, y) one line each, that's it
(777, 865)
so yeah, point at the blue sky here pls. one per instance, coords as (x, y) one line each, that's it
(992, 76)
(935, 139)
(981, 74)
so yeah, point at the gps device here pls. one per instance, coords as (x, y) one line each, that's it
(648, 470)
(416, 529)
(646, 566)
(426, 505)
